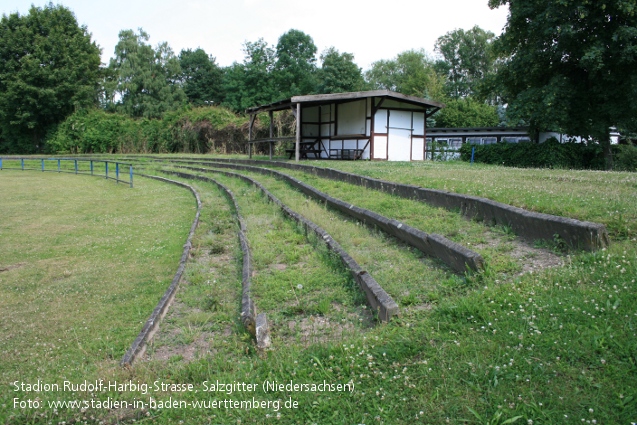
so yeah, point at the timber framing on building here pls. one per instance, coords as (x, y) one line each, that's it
(376, 125)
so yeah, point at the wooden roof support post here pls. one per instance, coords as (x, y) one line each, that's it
(252, 116)
(298, 132)
(271, 113)
(424, 138)
(372, 128)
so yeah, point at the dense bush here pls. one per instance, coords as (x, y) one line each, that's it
(550, 154)
(92, 131)
(198, 130)
(625, 157)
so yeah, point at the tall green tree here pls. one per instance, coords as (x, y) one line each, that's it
(251, 83)
(411, 73)
(467, 112)
(146, 80)
(48, 68)
(201, 77)
(295, 68)
(572, 65)
(467, 59)
(339, 73)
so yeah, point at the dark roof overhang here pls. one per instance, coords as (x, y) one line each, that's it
(324, 99)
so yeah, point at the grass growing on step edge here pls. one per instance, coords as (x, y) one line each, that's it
(492, 243)
(411, 279)
(504, 255)
(420, 280)
(203, 319)
(305, 292)
(604, 197)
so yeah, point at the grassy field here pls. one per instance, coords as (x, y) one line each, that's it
(83, 262)
(546, 345)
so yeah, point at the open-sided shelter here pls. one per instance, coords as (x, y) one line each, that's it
(377, 125)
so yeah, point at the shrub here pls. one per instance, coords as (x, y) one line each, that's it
(198, 130)
(625, 157)
(92, 131)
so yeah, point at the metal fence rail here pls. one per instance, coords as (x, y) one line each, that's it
(93, 167)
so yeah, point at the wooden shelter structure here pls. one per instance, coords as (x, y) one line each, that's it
(376, 125)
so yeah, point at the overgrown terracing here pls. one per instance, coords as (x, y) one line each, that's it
(547, 344)
(597, 196)
(422, 217)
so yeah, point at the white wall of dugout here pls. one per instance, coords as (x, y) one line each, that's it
(399, 133)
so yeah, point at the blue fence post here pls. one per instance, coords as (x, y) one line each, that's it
(22, 162)
(117, 172)
(106, 164)
(58, 165)
(0, 163)
(42, 165)
(76, 166)
(473, 152)
(91, 167)
(131, 176)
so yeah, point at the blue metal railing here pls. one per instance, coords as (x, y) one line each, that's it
(97, 167)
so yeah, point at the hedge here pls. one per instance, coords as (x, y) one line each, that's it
(551, 154)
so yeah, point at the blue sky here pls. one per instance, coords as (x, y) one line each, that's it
(371, 30)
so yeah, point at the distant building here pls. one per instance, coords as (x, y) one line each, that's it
(448, 140)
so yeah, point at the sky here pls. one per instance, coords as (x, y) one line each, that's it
(370, 30)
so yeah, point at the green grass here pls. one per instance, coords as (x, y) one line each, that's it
(402, 271)
(294, 278)
(495, 245)
(599, 196)
(555, 346)
(204, 317)
(84, 263)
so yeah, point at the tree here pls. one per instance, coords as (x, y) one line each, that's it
(463, 113)
(467, 60)
(251, 83)
(201, 77)
(146, 80)
(295, 67)
(48, 67)
(339, 73)
(572, 65)
(411, 73)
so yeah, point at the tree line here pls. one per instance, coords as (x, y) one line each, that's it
(50, 68)
(567, 66)
(269, 73)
